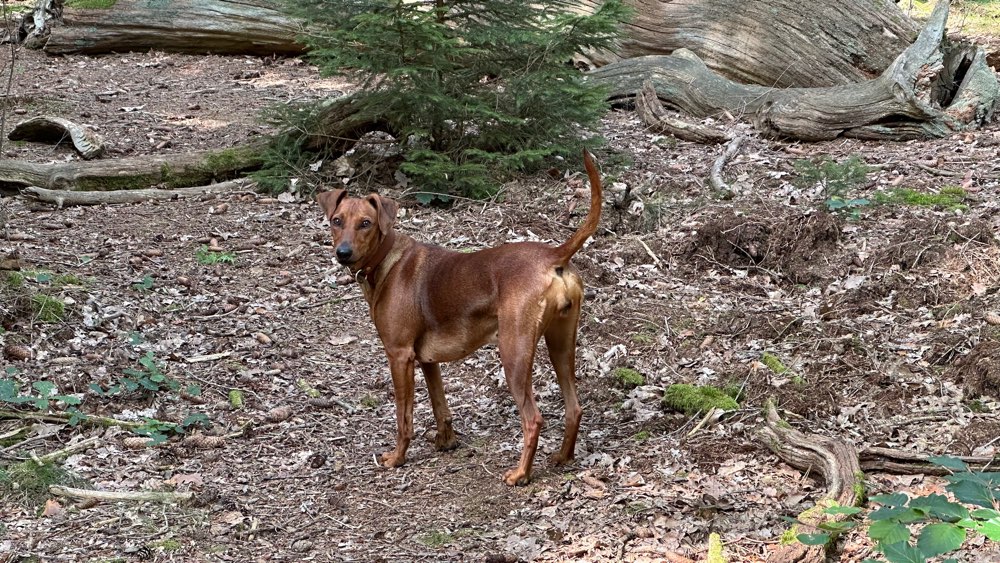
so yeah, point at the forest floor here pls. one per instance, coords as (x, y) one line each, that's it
(882, 321)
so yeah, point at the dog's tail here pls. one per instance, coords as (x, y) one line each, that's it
(566, 250)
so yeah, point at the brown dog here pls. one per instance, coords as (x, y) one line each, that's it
(433, 305)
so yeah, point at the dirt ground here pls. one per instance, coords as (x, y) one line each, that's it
(885, 322)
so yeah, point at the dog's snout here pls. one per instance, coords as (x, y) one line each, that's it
(344, 253)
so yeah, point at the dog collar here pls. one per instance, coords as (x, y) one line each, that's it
(377, 258)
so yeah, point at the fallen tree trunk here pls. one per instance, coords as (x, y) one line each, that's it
(780, 43)
(62, 198)
(170, 171)
(250, 27)
(931, 90)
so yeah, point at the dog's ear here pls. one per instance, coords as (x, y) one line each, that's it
(329, 201)
(386, 209)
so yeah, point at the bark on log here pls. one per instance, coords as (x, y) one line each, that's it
(932, 89)
(781, 43)
(252, 27)
(62, 198)
(172, 171)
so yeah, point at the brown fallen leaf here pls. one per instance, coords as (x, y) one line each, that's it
(52, 508)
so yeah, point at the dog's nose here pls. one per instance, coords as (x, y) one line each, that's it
(344, 253)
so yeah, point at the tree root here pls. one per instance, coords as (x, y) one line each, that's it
(836, 462)
(649, 108)
(715, 178)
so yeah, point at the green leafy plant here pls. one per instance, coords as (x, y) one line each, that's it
(210, 257)
(470, 89)
(145, 284)
(916, 529)
(159, 431)
(148, 379)
(836, 179)
(45, 394)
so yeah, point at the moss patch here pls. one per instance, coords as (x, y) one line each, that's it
(91, 4)
(694, 399)
(28, 483)
(949, 198)
(47, 309)
(629, 377)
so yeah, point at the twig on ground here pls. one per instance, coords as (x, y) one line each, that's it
(716, 177)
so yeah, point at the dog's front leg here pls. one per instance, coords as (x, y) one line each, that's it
(401, 364)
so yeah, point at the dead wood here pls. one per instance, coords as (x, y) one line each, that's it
(716, 179)
(140, 496)
(780, 43)
(910, 463)
(932, 89)
(834, 460)
(63, 198)
(250, 27)
(55, 130)
(172, 171)
(651, 111)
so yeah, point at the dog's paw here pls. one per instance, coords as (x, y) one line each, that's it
(392, 459)
(516, 478)
(559, 458)
(445, 441)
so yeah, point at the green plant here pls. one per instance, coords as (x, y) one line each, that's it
(148, 379)
(941, 525)
(835, 179)
(774, 364)
(471, 89)
(48, 309)
(949, 198)
(436, 538)
(159, 431)
(629, 377)
(209, 257)
(28, 482)
(641, 436)
(145, 284)
(46, 394)
(695, 399)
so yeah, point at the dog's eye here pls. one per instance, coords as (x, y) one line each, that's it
(336, 221)
(365, 224)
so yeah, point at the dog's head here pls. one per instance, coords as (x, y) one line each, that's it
(357, 225)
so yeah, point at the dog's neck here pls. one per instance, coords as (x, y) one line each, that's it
(370, 267)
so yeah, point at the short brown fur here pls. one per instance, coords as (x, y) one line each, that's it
(433, 305)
